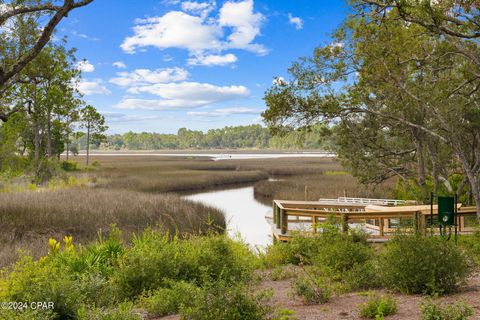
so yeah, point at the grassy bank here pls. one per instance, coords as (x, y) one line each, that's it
(28, 219)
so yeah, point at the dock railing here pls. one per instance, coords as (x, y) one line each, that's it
(380, 222)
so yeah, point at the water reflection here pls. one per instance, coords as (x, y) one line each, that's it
(243, 213)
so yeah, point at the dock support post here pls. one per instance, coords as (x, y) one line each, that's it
(284, 221)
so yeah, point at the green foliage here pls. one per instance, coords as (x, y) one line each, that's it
(252, 136)
(471, 243)
(378, 307)
(312, 289)
(165, 301)
(345, 258)
(221, 301)
(43, 280)
(417, 264)
(432, 310)
(122, 312)
(26, 314)
(155, 258)
(69, 166)
(283, 272)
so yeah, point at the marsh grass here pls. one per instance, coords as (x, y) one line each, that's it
(318, 185)
(28, 219)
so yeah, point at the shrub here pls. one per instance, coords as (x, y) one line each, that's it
(417, 264)
(362, 276)
(298, 250)
(122, 312)
(167, 301)
(436, 311)
(26, 314)
(312, 289)
(69, 166)
(471, 243)
(283, 272)
(43, 280)
(378, 307)
(220, 301)
(156, 257)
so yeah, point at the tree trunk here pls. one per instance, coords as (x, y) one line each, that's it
(67, 141)
(421, 166)
(88, 141)
(36, 144)
(49, 134)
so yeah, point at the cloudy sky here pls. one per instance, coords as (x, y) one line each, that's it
(159, 65)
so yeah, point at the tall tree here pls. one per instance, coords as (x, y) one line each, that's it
(94, 123)
(406, 91)
(26, 44)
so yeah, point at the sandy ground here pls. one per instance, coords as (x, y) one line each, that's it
(346, 306)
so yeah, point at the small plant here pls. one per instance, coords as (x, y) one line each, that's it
(283, 273)
(221, 301)
(436, 311)
(167, 301)
(313, 290)
(378, 307)
(285, 314)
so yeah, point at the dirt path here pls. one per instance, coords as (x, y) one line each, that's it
(346, 306)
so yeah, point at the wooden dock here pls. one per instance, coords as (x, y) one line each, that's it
(380, 222)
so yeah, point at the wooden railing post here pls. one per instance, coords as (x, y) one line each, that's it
(344, 222)
(382, 227)
(274, 206)
(315, 224)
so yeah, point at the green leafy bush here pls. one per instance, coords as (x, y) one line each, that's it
(165, 301)
(283, 273)
(43, 280)
(157, 258)
(471, 243)
(122, 312)
(437, 311)
(69, 166)
(378, 307)
(417, 264)
(312, 289)
(222, 301)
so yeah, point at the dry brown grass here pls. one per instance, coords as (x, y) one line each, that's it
(320, 186)
(28, 219)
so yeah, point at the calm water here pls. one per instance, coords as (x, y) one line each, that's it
(244, 214)
(226, 156)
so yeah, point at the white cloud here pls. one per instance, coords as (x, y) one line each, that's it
(224, 112)
(212, 60)
(119, 64)
(145, 76)
(122, 117)
(174, 30)
(92, 87)
(245, 23)
(182, 95)
(83, 36)
(200, 8)
(296, 21)
(85, 66)
(200, 33)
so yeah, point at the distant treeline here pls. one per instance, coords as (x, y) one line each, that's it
(252, 136)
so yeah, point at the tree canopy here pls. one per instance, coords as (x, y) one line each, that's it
(401, 80)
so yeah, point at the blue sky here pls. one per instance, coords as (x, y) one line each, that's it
(157, 66)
